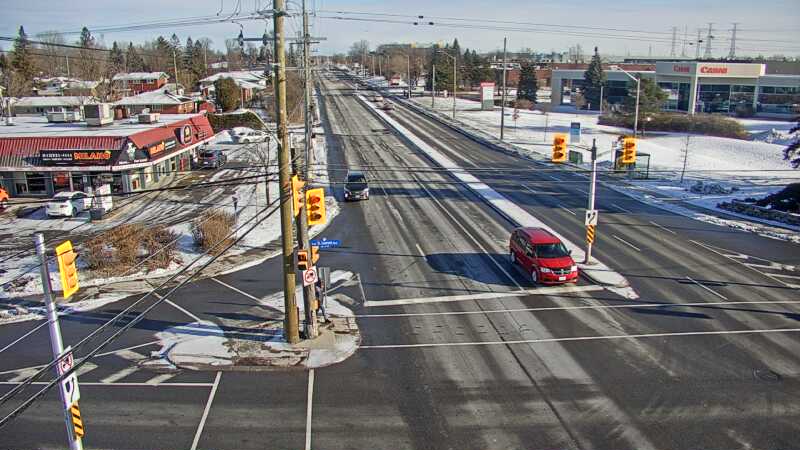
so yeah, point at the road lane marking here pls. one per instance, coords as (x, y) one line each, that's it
(235, 289)
(159, 379)
(567, 210)
(589, 307)
(621, 208)
(663, 228)
(309, 404)
(581, 338)
(707, 288)
(115, 352)
(742, 256)
(116, 376)
(179, 308)
(205, 411)
(483, 296)
(419, 249)
(95, 383)
(626, 242)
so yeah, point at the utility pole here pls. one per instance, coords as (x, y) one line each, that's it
(591, 214)
(685, 157)
(503, 101)
(56, 343)
(433, 88)
(302, 228)
(175, 65)
(732, 53)
(291, 320)
(408, 74)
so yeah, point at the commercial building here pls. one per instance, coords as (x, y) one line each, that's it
(39, 158)
(40, 106)
(694, 86)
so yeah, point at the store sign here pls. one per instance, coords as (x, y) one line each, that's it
(719, 70)
(487, 96)
(77, 157)
(680, 69)
(185, 134)
(163, 146)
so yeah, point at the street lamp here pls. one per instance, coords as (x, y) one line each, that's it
(638, 87)
(455, 78)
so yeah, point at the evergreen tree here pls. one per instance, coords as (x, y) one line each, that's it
(792, 152)
(227, 94)
(527, 86)
(134, 62)
(21, 59)
(651, 98)
(5, 70)
(594, 78)
(198, 59)
(88, 68)
(116, 59)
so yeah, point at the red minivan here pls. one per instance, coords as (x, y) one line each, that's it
(543, 256)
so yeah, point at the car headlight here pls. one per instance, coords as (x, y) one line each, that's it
(545, 270)
(573, 268)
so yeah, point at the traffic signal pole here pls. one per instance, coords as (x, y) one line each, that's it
(592, 183)
(56, 343)
(311, 330)
(503, 102)
(291, 320)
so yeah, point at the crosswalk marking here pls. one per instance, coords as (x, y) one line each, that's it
(130, 355)
(119, 375)
(155, 381)
(24, 374)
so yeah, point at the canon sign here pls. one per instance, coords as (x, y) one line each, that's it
(713, 70)
(680, 69)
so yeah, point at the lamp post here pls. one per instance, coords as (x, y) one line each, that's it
(455, 78)
(638, 81)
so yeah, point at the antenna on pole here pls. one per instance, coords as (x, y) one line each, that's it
(732, 53)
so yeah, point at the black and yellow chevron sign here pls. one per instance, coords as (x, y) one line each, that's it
(77, 423)
(590, 233)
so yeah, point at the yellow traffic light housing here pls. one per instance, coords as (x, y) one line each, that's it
(302, 260)
(297, 194)
(559, 148)
(314, 254)
(628, 150)
(315, 206)
(67, 268)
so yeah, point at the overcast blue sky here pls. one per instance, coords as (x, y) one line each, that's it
(770, 26)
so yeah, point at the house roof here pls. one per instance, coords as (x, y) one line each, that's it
(136, 76)
(252, 76)
(158, 97)
(45, 102)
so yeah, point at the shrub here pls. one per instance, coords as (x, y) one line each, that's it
(523, 104)
(787, 200)
(211, 228)
(707, 124)
(118, 250)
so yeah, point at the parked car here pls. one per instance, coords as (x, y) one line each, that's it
(377, 98)
(387, 106)
(543, 256)
(3, 198)
(249, 137)
(68, 204)
(211, 159)
(356, 186)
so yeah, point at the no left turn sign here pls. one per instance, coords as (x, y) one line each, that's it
(309, 276)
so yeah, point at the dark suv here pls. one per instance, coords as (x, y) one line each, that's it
(211, 158)
(356, 187)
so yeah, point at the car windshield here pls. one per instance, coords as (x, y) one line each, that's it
(551, 250)
(207, 155)
(356, 182)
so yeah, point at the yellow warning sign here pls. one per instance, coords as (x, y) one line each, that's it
(77, 423)
(590, 234)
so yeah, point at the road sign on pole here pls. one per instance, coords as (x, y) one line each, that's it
(590, 234)
(309, 276)
(591, 217)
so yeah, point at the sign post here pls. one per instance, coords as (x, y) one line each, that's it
(69, 385)
(591, 213)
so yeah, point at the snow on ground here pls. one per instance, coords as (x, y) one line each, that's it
(19, 275)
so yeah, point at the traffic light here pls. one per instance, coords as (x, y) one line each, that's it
(315, 206)
(314, 254)
(67, 268)
(302, 260)
(628, 150)
(297, 194)
(559, 148)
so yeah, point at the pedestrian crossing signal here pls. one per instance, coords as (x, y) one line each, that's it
(628, 150)
(302, 260)
(559, 148)
(314, 254)
(315, 206)
(67, 268)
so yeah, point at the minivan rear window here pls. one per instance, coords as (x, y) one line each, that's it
(207, 155)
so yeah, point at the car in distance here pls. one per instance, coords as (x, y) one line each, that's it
(3, 198)
(356, 186)
(543, 256)
(387, 106)
(249, 137)
(211, 159)
(67, 204)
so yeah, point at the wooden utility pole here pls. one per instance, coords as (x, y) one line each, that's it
(309, 299)
(291, 320)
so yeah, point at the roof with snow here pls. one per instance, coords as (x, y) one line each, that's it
(253, 76)
(137, 76)
(158, 97)
(45, 102)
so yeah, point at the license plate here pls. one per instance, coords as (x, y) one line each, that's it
(562, 278)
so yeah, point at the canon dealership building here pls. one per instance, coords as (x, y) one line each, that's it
(693, 86)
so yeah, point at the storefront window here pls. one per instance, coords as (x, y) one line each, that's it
(37, 183)
(61, 181)
(714, 98)
(779, 99)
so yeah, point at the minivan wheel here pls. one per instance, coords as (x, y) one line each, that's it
(534, 276)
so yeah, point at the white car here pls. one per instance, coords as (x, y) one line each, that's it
(68, 204)
(249, 137)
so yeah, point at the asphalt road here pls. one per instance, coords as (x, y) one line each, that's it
(580, 368)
